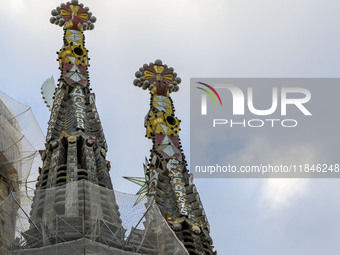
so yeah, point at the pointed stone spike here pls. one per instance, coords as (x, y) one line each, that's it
(139, 199)
(143, 190)
(137, 180)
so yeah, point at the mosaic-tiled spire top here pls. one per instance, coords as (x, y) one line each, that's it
(158, 78)
(167, 178)
(73, 15)
(74, 115)
(80, 112)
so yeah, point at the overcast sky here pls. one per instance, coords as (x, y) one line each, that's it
(199, 38)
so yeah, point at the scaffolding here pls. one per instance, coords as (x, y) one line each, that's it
(143, 229)
(17, 155)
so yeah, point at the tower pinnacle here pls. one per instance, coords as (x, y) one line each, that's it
(74, 185)
(166, 175)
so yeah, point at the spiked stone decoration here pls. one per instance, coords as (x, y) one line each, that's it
(141, 181)
(166, 176)
(75, 148)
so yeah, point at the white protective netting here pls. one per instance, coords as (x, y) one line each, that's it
(20, 140)
(20, 135)
(146, 231)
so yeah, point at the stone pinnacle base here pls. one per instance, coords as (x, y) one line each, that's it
(72, 211)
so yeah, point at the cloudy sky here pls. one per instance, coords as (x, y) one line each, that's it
(199, 38)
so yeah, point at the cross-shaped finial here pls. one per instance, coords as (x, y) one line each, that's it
(73, 15)
(158, 78)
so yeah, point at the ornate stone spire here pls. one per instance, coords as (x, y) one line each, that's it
(167, 177)
(74, 162)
